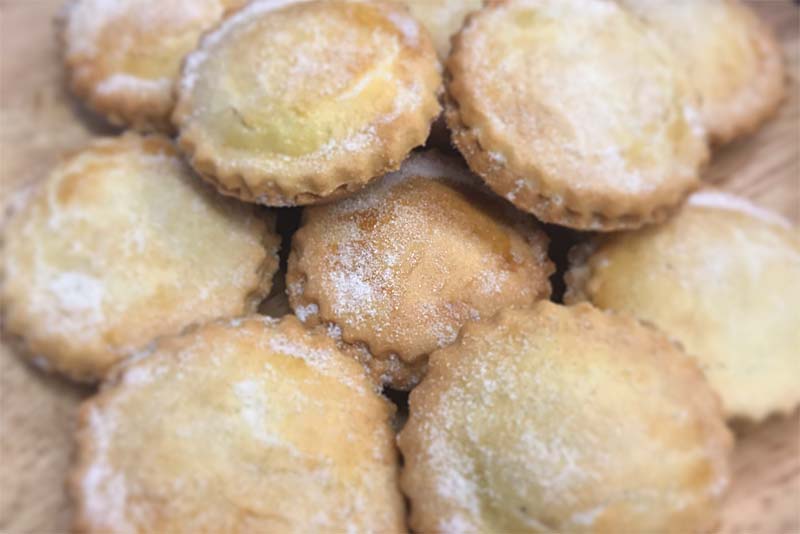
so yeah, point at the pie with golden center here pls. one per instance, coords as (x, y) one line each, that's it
(723, 278)
(124, 56)
(732, 59)
(563, 419)
(250, 425)
(123, 243)
(294, 103)
(396, 269)
(574, 111)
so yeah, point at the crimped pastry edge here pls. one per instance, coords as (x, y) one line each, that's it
(389, 370)
(349, 173)
(409, 444)
(86, 450)
(578, 275)
(119, 109)
(42, 354)
(392, 369)
(758, 101)
(534, 198)
(90, 374)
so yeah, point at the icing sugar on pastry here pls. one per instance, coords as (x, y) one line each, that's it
(731, 57)
(261, 426)
(721, 277)
(122, 243)
(598, 137)
(288, 104)
(719, 199)
(124, 56)
(518, 427)
(400, 266)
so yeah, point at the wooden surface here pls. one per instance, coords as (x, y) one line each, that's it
(39, 121)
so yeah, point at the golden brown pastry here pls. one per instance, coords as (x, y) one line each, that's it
(398, 268)
(723, 278)
(124, 56)
(442, 18)
(731, 57)
(288, 104)
(251, 425)
(574, 111)
(123, 243)
(563, 419)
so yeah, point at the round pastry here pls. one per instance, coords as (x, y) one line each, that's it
(124, 56)
(731, 57)
(120, 244)
(398, 268)
(248, 426)
(563, 419)
(289, 104)
(442, 18)
(723, 278)
(594, 137)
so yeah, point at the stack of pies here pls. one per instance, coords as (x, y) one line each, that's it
(140, 262)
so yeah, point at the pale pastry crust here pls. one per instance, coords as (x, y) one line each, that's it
(732, 59)
(124, 56)
(442, 18)
(291, 103)
(722, 278)
(399, 267)
(122, 243)
(599, 137)
(251, 425)
(563, 419)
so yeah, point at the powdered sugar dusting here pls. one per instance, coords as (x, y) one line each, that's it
(558, 466)
(455, 481)
(145, 373)
(718, 199)
(430, 164)
(695, 121)
(404, 263)
(498, 429)
(87, 20)
(407, 25)
(587, 517)
(357, 288)
(511, 196)
(456, 523)
(121, 82)
(323, 360)
(77, 301)
(253, 408)
(194, 61)
(226, 432)
(281, 78)
(123, 210)
(588, 119)
(444, 333)
(304, 312)
(497, 158)
(334, 331)
(105, 491)
(492, 281)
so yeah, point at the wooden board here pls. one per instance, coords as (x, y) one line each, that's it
(39, 121)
